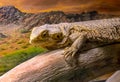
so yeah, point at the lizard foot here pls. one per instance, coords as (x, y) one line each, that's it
(69, 56)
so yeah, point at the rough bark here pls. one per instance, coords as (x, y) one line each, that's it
(115, 77)
(51, 66)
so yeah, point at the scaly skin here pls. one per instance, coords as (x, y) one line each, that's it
(72, 36)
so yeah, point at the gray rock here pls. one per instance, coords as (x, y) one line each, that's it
(2, 35)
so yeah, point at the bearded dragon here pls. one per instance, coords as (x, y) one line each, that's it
(72, 36)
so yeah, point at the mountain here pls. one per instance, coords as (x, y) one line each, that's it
(11, 15)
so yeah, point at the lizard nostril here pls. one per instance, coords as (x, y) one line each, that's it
(57, 36)
(44, 35)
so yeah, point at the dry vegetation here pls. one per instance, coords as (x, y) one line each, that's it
(15, 49)
(11, 44)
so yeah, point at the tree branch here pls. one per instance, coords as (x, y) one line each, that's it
(51, 66)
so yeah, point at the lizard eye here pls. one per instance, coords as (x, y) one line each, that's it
(44, 34)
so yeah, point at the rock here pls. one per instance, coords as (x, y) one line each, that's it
(2, 35)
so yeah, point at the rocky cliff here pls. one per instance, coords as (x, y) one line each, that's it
(11, 15)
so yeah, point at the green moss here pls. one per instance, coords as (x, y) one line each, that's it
(23, 30)
(20, 42)
(10, 60)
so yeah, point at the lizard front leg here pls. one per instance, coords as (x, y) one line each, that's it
(70, 52)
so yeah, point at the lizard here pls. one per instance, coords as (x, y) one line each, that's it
(72, 36)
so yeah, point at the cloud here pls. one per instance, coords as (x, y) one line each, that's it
(105, 6)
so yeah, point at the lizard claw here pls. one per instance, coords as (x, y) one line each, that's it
(69, 56)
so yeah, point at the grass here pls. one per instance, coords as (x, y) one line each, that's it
(12, 59)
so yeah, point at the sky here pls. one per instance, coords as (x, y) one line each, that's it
(70, 6)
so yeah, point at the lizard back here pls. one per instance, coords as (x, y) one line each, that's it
(105, 30)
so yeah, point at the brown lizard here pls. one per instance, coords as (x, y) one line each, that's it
(72, 36)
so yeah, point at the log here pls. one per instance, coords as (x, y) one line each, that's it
(51, 66)
(115, 77)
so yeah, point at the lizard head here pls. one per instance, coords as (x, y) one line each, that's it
(46, 36)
